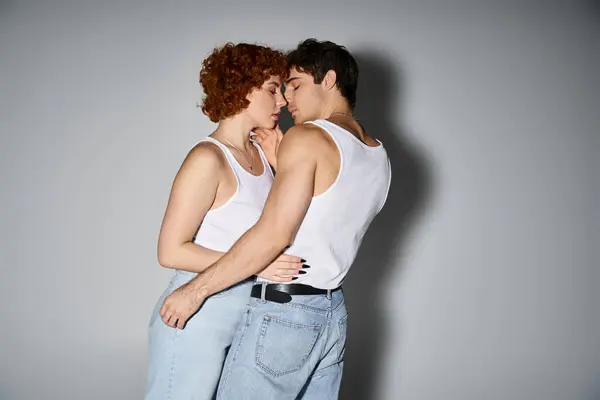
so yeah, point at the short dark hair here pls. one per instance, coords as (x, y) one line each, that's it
(316, 58)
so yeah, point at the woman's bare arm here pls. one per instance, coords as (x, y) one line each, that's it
(193, 193)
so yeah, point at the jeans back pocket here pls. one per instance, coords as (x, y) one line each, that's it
(283, 347)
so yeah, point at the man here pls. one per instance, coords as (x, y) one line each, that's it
(332, 180)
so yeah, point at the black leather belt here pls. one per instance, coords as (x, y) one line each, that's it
(282, 293)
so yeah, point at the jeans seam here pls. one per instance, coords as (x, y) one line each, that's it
(173, 362)
(327, 329)
(339, 305)
(339, 345)
(325, 371)
(236, 350)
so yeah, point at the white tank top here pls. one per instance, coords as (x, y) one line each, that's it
(224, 225)
(336, 220)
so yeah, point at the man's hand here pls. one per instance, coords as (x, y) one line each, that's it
(180, 305)
(284, 269)
(269, 140)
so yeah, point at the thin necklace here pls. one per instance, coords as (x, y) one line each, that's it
(250, 165)
(342, 113)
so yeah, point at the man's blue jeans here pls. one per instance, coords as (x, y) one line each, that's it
(293, 350)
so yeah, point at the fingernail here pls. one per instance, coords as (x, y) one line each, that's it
(294, 278)
(303, 260)
(306, 266)
(301, 272)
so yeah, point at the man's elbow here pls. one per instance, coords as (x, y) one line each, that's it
(282, 241)
(279, 238)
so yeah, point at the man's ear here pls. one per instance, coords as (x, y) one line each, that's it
(329, 80)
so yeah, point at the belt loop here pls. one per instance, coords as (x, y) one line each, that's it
(263, 290)
(328, 294)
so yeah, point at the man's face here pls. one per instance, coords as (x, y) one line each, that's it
(304, 96)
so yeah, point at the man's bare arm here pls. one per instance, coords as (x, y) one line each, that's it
(284, 211)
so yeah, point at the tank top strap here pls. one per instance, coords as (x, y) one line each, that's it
(263, 157)
(228, 155)
(318, 122)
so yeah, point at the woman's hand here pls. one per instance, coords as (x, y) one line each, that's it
(269, 140)
(284, 269)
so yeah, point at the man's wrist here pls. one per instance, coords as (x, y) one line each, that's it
(199, 287)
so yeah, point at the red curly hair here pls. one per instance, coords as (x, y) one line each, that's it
(231, 72)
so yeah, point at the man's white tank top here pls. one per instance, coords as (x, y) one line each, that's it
(336, 220)
(224, 225)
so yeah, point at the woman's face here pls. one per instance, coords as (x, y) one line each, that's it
(266, 103)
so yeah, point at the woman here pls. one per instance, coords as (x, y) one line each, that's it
(217, 195)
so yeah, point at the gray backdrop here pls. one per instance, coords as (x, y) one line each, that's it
(478, 281)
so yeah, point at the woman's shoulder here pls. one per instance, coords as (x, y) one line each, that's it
(206, 155)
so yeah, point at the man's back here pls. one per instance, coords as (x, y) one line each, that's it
(351, 184)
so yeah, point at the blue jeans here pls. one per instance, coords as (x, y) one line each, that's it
(288, 351)
(186, 364)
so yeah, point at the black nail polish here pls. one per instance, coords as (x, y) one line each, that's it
(302, 260)
(306, 266)
(294, 278)
(301, 272)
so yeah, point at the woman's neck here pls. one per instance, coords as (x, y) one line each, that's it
(235, 131)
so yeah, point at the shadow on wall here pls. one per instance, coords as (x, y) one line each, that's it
(379, 106)
(594, 8)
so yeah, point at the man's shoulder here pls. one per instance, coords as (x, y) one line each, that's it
(303, 142)
(305, 134)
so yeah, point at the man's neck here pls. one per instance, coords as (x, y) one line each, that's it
(338, 107)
